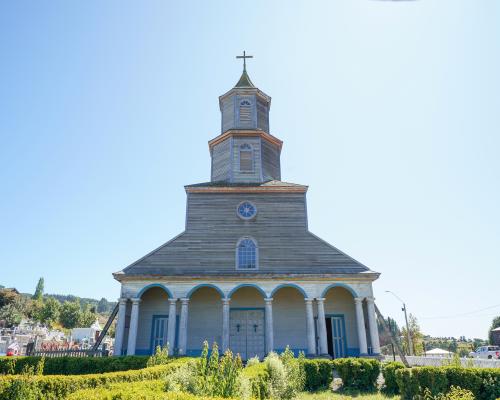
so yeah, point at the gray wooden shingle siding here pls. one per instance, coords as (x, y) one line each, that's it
(270, 161)
(208, 245)
(245, 109)
(221, 161)
(262, 115)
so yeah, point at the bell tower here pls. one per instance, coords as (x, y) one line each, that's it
(245, 151)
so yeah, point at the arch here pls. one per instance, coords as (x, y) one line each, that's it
(242, 285)
(343, 285)
(290, 285)
(247, 254)
(152, 285)
(202, 285)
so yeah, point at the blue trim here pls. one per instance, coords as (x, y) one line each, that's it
(343, 327)
(145, 288)
(151, 350)
(295, 351)
(353, 352)
(261, 291)
(142, 352)
(155, 317)
(219, 290)
(291, 285)
(350, 289)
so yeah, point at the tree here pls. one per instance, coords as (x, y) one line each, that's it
(87, 317)
(7, 297)
(39, 290)
(49, 313)
(494, 324)
(70, 314)
(416, 336)
(11, 313)
(103, 306)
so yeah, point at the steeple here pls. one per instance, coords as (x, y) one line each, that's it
(245, 151)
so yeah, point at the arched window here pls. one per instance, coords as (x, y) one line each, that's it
(247, 254)
(246, 158)
(245, 112)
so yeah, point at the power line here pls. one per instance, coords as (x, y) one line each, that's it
(463, 314)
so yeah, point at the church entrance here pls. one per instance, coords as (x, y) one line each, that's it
(246, 332)
(335, 333)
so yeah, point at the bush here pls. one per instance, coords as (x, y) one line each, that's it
(150, 390)
(73, 365)
(389, 372)
(357, 373)
(483, 383)
(160, 357)
(318, 373)
(254, 382)
(59, 386)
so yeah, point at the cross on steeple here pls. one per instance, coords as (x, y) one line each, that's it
(244, 56)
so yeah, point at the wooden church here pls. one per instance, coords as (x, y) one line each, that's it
(246, 272)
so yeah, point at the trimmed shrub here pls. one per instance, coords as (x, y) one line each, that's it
(56, 387)
(484, 383)
(254, 379)
(357, 373)
(319, 374)
(73, 365)
(389, 372)
(150, 390)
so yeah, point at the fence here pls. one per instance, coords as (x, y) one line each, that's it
(419, 361)
(69, 353)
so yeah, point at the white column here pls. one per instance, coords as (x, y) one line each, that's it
(120, 326)
(269, 325)
(372, 322)
(132, 331)
(183, 327)
(311, 340)
(360, 321)
(172, 311)
(225, 324)
(323, 344)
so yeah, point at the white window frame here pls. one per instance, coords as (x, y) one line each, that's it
(256, 254)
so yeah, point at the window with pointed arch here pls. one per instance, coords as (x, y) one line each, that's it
(246, 158)
(247, 254)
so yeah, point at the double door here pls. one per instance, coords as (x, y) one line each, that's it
(247, 333)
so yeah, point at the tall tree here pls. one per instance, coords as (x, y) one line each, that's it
(49, 313)
(39, 290)
(102, 306)
(494, 324)
(416, 336)
(70, 314)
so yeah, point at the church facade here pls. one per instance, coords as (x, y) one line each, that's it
(246, 272)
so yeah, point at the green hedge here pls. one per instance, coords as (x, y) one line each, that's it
(54, 387)
(357, 373)
(152, 390)
(73, 365)
(319, 374)
(389, 372)
(258, 376)
(484, 383)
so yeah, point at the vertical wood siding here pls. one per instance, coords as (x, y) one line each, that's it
(289, 318)
(204, 318)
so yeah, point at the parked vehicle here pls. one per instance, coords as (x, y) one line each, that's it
(489, 352)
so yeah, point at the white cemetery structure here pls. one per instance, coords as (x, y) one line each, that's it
(246, 272)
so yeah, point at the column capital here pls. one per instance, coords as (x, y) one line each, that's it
(184, 300)
(358, 300)
(122, 300)
(268, 300)
(135, 300)
(320, 299)
(370, 299)
(226, 300)
(172, 301)
(308, 299)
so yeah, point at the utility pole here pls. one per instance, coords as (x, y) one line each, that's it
(410, 343)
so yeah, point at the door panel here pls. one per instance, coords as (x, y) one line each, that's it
(338, 336)
(159, 334)
(246, 333)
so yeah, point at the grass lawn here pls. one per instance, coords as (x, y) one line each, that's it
(328, 395)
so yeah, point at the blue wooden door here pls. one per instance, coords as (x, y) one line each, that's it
(159, 333)
(338, 336)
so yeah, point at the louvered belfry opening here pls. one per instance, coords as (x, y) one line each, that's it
(246, 157)
(245, 113)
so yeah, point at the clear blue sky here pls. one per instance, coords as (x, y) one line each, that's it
(388, 110)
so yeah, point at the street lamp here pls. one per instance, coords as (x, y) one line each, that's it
(410, 344)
